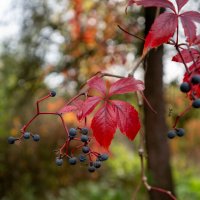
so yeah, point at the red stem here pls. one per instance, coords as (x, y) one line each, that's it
(64, 125)
(181, 114)
(138, 37)
(147, 102)
(42, 99)
(179, 52)
(78, 147)
(29, 122)
(164, 191)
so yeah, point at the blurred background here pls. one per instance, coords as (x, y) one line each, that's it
(59, 44)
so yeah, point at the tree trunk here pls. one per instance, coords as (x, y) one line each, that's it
(155, 125)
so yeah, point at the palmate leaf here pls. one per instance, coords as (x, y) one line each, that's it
(112, 114)
(166, 24)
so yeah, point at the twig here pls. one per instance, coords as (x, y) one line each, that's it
(181, 114)
(179, 52)
(137, 64)
(147, 102)
(138, 37)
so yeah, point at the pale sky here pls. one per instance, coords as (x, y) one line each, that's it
(9, 19)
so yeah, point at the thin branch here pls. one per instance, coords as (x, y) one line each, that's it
(145, 180)
(137, 64)
(148, 103)
(180, 115)
(138, 37)
(111, 75)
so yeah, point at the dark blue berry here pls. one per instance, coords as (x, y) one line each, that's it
(53, 93)
(72, 161)
(36, 137)
(85, 149)
(103, 157)
(185, 87)
(59, 161)
(180, 132)
(171, 134)
(196, 103)
(195, 79)
(91, 168)
(11, 140)
(84, 131)
(27, 135)
(72, 132)
(82, 158)
(84, 138)
(97, 164)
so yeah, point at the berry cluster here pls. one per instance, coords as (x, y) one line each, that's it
(191, 86)
(79, 135)
(26, 136)
(176, 132)
(86, 155)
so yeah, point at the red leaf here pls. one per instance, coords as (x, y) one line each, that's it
(79, 105)
(66, 109)
(188, 19)
(98, 84)
(187, 55)
(162, 30)
(181, 3)
(125, 85)
(104, 125)
(197, 40)
(76, 107)
(127, 118)
(90, 104)
(153, 3)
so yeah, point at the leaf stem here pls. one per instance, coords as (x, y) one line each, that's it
(179, 52)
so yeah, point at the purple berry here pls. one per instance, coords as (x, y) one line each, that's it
(59, 161)
(72, 132)
(84, 131)
(11, 140)
(180, 132)
(27, 135)
(36, 137)
(72, 160)
(82, 158)
(84, 138)
(85, 149)
(196, 103)
(185, 87)
(91, 168)
(53, 93)
(171, 134)
(97, 164)
(195, 79)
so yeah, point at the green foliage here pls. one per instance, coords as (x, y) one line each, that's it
(187, 180)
